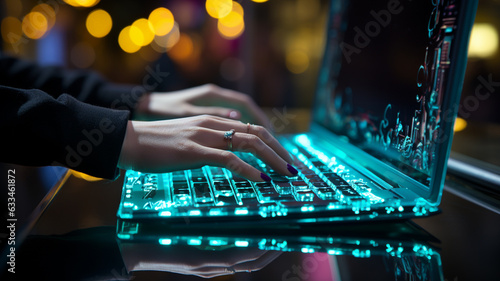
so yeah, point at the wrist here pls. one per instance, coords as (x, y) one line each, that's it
(143, 105)
(129, 143)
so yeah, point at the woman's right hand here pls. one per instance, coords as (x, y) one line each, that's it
(192, 142)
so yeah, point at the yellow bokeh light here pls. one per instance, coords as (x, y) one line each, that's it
(238, 8)
(82, 3)
(169, 40)
(231, 20)
(297, 61)
(99, 23)
(483, 41)
(48, 12)
(136, 35)
(162, 21)
(219, 8)
(87, 3)
(11, 30)
(183, 49)
(460, 125)
(231, 27)
(146, 29)
(125, 41)
(34, 25)
(259, 1)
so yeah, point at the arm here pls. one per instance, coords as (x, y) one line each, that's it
(38, 129)
(84, 86)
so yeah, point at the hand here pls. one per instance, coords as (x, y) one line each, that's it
(192, 142)
(206, 99)
(190, 260)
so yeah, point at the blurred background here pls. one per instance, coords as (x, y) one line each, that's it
(269, 49)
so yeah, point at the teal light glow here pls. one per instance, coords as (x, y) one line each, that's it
(335, 252)
(217, 242)
(195, 213)
(165, 241)
(306, 208)
(241, 211)
(241, 243)
(303, 139)
(165, 214)
(307, 250)
(123, 236)
(215, 212)
(194, 242)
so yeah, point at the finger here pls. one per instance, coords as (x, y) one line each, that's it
(247, 143)
(228, 160)
(215, 111)
(257, 264)
(222, 124)
(253, 144)
(244, 101)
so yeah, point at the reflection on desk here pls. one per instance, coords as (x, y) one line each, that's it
(390, 251)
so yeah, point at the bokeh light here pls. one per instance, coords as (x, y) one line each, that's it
(297, 61)
(483, 41)
(146, 30)
(232, 26)
(125, 40)
(238, 8)
(183, 49)
(11, 30)
(167, 41)
(48, 12)
(82, 3)
(162, 21)
(460, 125)
(99, 23)
(259, 1)
(219, 8)
(34, 25)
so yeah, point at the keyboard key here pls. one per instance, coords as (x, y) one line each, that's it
(225, 199)
(304, 195)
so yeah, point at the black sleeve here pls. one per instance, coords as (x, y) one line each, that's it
(39, 130)
(85, 86)
(63, 122)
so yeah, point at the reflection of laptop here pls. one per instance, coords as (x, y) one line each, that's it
(386, 100)
(404, 248)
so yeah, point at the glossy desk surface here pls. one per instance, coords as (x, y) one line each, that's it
(75, 239)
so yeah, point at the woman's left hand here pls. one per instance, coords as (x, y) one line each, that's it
(207, 99)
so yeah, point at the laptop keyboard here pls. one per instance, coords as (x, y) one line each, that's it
(316, 183)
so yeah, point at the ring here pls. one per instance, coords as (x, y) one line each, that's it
(228, 136)
(248, 128)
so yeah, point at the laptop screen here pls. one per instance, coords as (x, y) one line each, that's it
(383, 78)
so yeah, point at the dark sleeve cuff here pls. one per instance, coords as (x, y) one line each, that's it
(117, 96)
(94, 148)
(66, 132)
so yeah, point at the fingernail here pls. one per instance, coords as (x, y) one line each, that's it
(265, 177)
(233, 114)
(292, 169)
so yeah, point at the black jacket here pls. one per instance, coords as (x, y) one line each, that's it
(52, 116)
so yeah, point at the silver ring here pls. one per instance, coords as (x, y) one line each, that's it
(228, 136)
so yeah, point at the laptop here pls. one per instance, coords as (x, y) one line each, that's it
(382, 124)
